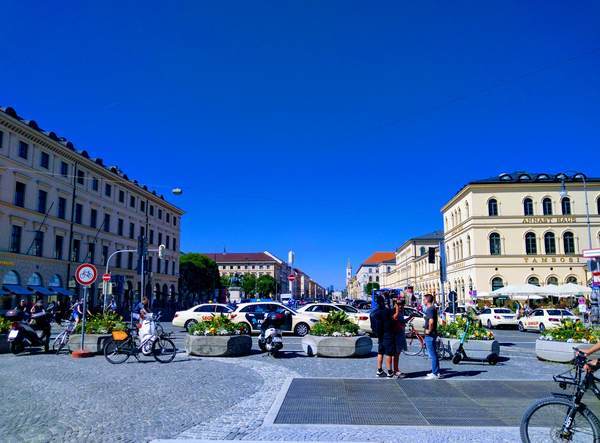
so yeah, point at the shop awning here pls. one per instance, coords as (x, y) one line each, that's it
(40, 290)
(3, 292)
(62, 291)
(17, 290)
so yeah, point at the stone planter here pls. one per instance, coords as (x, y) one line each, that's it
(218, 345)
(4, 344)
(477, 349)
(559, 351)
(93, 342)
(358, 346)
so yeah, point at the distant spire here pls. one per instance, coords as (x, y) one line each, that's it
(224, 250)
(349, 265)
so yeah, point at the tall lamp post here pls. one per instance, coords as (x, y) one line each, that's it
(564, 193)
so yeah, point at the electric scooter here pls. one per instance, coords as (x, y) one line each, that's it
(460, 353)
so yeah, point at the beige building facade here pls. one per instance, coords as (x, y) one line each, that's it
(53, 195)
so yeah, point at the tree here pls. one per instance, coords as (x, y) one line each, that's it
(198, 276)
(248, 284)
(225, 281)
(266, 285)
(370, 286)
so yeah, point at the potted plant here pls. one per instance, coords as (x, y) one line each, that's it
(98, 328)
(336, 336)
(479, 343)
(557, 344)
(217, 336)
(4, 328)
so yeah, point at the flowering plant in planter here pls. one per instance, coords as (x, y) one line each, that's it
(102, 324)
(336, 324)
(217, 325)
(572, 332)
(4, 325)
(456, 328)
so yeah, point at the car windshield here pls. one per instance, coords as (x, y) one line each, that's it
(459, 309)
(555, 312)
(347, 308)
(503, 311)
(565, 312)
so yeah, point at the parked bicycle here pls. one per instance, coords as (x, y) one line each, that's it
(124, 344)
(62, 339)
(415, 344)
(564, 417)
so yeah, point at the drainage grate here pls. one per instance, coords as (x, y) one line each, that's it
(409, 402)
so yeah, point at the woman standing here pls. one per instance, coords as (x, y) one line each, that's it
(399, 333)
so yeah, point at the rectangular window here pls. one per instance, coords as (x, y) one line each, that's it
(95, 184)
(58, 247)
(160, 214)
(104, 255)
(38, 244)
(149, 267)
(91, 252)
(15, 239)
(64, 169)
(130, 260)
(44, 160)
(174, 221)
(80, 177)
(23, 150)
(93, 218)
(160, 238)
(173, 268)
(20, 194)
(142, 206)
(166, 267)
(168, 218)
(151, 237)
(42, 200)
(157, 265)
(121, 196)
(78, 213)
(62, 208)
(120, 227)
(132, 201)
(168, 243)
(106, 223)
(118, 260)
(1, 139)
(175, 244)
(152, 210)
(131, 230)
(142, 231)
(107, 189)
(76, 250)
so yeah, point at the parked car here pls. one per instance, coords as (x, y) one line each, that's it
(361, 304)
(542, 319)
(320, 310)
(494, 317)
(184, 319)
(418, 321)
(451, 315)
(251, 315)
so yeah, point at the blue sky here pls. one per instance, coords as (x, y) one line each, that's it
(334, 128)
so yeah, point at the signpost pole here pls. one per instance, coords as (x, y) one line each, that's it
(85, 295)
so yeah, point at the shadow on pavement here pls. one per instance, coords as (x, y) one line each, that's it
(451, 373)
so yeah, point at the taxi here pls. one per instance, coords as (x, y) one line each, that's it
(542, 319)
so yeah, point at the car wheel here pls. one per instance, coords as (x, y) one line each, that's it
(301, 329)
(521, 327)
(489, 324)
(542, 328)
(189, 324)
(245, 329)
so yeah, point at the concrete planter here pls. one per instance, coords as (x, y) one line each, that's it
(340, 347)
(218, 345)
(93, 342)
(478, 349)
(559, 351)
(4, 344)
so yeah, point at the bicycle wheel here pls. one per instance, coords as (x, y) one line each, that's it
(543, 422)
(59, 342)
(159, 329)
(117, 352)
(164, 350)
(414, 345)
(440, 349)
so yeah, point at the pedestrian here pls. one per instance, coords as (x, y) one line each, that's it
(382, 325)
(399, 325)
(112, 306)
(431, 318)
(141, 309)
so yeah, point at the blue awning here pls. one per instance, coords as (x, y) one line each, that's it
(62, 291)
(3, 292)
(17, 290)
(40, 290)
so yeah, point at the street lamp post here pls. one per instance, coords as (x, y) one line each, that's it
(564, 193)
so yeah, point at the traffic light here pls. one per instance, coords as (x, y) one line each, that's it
(142, 250)
(431, 258)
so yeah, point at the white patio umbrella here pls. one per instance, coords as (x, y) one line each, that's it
(523, 291)
(572, 289)
(482, 295)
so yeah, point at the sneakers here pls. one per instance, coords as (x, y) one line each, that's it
(380, 373)
(391, 374)
(432, 376)
(399, 374)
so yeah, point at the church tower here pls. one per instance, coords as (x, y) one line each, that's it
(348, 273)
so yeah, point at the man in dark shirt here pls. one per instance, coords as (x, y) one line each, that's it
(382, 326)
(431, 318)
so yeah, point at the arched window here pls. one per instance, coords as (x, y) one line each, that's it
(497, 283)
(549, 243)
(55, 281)
(466, 209)
(530, 244)
(571, 279)
(552, 281)
(468, 245)
(461, 250)
(598, 205)
(492, 207)
(547, 206)
(569, 242)
(533, 281)
(35, 279)
(565, 204)
(495, 246)
(422, 251)
(459, 215)
(11, 278)
(528, 206)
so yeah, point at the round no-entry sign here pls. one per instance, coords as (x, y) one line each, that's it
(86, 274)
(291, 277)
(105, 277)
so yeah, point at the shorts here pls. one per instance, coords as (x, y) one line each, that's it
(387, 345)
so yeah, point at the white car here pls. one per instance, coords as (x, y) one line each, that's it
(321, 310)
(251, 316)
(494, 317)
(450, 315)
(542, 319)
(184, 319)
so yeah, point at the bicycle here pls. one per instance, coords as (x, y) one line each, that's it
(415, 344)
(124, 344)
(564, 417)
(62, 339)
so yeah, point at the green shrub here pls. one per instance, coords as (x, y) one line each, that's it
(216, 325)
(456, 328)
(335, 324)
(570, 331)
(102, 324)
(4, 325)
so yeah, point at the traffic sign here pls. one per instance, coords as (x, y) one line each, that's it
(105, 277)
(591, 253)
(595, 279)
(291, 277)
(86, 274)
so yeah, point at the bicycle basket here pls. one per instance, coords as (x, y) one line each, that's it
(119, 335)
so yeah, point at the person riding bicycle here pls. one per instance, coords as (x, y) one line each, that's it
(591, 365)
(77, 311)
(141, 309)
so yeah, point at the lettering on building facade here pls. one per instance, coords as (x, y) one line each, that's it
(567, 259)
(549, 219)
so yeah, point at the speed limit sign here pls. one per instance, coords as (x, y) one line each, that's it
(86, 274)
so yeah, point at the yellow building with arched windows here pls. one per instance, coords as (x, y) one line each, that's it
(520, 228)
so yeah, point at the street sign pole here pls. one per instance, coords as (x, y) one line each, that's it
(85, 275)
(85, 296)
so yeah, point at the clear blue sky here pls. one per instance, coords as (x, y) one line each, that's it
(334, 128)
